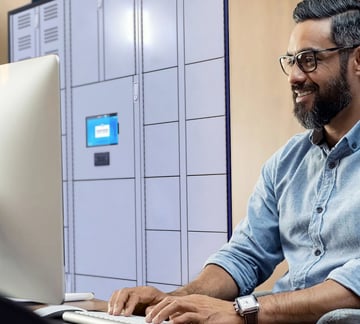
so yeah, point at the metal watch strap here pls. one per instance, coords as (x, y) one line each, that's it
(251, 318)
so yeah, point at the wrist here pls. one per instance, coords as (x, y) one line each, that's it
(248, 308)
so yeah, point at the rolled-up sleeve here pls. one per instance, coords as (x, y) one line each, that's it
(348, 275)
(254, 249)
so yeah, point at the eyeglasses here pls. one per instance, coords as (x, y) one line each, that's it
(306, 60)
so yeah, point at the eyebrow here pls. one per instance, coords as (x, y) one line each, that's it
(302, 50)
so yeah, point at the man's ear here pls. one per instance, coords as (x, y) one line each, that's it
(357, 60)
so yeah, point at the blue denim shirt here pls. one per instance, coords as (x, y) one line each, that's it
(305, 208)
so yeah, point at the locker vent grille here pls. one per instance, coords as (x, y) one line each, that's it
(24, 21)
(51, 35)
(24, 42)
(51, 12)
(52, 52)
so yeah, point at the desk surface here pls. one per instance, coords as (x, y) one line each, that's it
(92, 305)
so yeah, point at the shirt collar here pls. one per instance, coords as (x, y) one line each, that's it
(352, 137)
(317, 136)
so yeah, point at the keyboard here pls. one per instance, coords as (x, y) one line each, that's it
(92, 317)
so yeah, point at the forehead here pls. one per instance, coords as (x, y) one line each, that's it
(310, 34)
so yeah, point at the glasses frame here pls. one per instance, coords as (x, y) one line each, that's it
(295, 58)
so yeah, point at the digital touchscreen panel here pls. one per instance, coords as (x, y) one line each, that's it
(102, 130)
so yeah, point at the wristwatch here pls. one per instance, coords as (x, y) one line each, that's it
(248, 308)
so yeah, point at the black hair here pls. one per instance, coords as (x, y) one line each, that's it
(344, 14)
(345, 20)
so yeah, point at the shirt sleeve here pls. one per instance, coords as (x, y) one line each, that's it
(254, 249)
(348, 275)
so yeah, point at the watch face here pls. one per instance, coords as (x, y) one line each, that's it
(247, 303)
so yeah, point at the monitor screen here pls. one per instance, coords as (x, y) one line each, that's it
(102, 130)
(31, 215)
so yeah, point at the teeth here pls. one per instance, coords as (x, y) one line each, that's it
(302, 94)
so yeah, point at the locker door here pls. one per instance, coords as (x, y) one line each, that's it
(52, 33)
(24, 35)
(119, 38)
(113, 96)
(159, 34)
(204, 33)
(105, 228)
(84, 41)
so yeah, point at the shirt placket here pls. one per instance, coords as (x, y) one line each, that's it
(325, 187)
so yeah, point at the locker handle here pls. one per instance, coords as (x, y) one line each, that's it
(136, 91)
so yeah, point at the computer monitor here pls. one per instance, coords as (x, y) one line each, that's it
(31, 212)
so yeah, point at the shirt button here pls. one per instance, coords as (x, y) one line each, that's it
(319, 210)
(332, 165)
(354, 146)
(317, 252)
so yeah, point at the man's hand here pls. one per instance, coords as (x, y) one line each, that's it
(194, 309)
(126, 301)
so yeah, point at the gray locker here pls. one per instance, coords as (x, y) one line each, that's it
(161, 96)
(103, 40)
(84, 42)
(159, 65)
(105, 246)
(162, 150)
(200, 77)
(163, 203)
(206, 142)
(159, 44)
(98, 99)
(119, 38)
(51, 33)
(24, 34)
(38, 31)
(204, 34)
(207, 196)
(201, 243)
(163, 248)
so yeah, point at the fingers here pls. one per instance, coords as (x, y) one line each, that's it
(123, 302)
(172, 307)
(126, 301)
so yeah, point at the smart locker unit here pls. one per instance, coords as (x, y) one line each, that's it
(145, 131)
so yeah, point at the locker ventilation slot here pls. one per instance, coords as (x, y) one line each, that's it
(50, 12)
(24, 21)
(51, 35)
(52, 52)
(24, 42)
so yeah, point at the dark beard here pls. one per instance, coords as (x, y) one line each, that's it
(335, 97)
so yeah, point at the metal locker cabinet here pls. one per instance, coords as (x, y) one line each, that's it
(161, 66)
(23, 34)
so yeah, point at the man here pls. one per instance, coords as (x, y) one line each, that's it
(306, 205)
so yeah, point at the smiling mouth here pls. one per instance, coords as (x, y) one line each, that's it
(300, 94)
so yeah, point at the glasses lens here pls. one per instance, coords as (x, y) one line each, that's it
(286, 63)
(306, 61)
